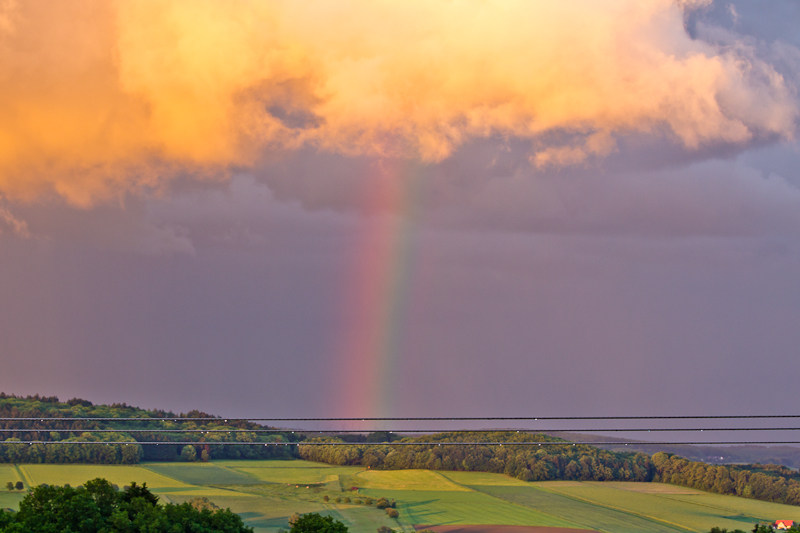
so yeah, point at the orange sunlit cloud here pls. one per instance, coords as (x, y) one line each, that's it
(98, 97)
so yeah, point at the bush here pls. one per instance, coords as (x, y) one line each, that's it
(315, 523)
(368, 501)
(347, 499)
(385, 529)
(392, 513)
(19, 485)
(338, 500)
(201, 502)
(359, 501)
(10, 485)
(325, 498)
(382, 503)
(188, 453)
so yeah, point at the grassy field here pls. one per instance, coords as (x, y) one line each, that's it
(463, 508)
(267, 493)
(418, 480)
(78, 474)
(202, 474)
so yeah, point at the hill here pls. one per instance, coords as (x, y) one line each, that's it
(54, 430)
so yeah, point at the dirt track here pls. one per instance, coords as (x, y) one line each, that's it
(501, 529)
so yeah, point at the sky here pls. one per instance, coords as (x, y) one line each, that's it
(306, 208)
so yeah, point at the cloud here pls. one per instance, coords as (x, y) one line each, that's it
(102, 98)
(9, 222)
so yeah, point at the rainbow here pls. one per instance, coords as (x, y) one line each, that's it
(378, 289)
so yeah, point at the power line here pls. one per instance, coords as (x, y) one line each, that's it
(395, 431)
(397, 443)
(399, 419)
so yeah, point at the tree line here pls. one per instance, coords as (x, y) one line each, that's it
(56, 433)
(723, 479)
(527, 462)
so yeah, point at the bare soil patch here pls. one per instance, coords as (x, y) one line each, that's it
(483, 528)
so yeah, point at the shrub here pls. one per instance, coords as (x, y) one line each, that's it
(201, 502)
(338, 500)
(10, 485)
(188, 453)
(346, 499)
(368, 501)
(382, 503)
(325, 498)
(19, 485)
(385, 529)
(359, 501)
(392, 513)
(315, 523)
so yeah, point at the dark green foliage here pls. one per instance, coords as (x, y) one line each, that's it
(726, 479)
(10, 485)
(58, 433)
(526, 462)
(97, 508)
(316, 523)
(188, 453)
(382, 503)
(723, 530)
(19, 485)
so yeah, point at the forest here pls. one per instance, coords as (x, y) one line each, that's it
(55, 434)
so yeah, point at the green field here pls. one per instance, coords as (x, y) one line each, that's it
(416, 480)
(202, 474)
(78, 474)
(267, 493)
(463, 508)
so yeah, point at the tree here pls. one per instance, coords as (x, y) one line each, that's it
(10, 485)
(382, 503)
(19, 485)
(98, 507)
(188, 453)
(316, 523)
(205, 456)
(201, 502)
(392, 513)
(385, 529)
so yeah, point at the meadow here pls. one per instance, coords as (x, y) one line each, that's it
(266, 493)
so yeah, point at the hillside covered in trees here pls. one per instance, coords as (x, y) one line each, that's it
(525, 461)
(54, 430)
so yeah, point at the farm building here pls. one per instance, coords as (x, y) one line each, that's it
(783, 524)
